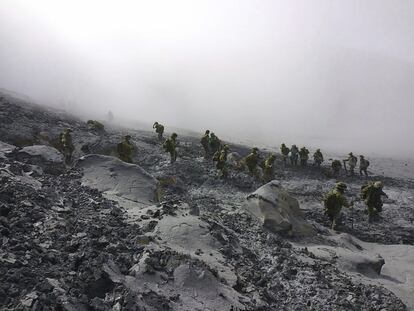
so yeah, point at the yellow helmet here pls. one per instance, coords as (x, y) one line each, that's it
(378, 184)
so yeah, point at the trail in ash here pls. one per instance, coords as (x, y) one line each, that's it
(95, 236)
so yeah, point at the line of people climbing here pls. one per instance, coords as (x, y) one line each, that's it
(217, 151)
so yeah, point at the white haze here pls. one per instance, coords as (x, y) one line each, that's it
(330, 73)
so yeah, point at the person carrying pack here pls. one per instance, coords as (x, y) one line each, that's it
(336, 167)
(371, 194)
(363, 165)
(352, 160)
(125, 149)
(333, 202)
(269, 168)
(159, 129)
(205, 143)
(214, 143)
(252, 160)
(67, 148)
(294, 153)
(170, 146)
(221, 159)
(317, 158)
(304, 156)
(285, 152)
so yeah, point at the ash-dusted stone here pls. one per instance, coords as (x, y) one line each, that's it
(278, 211)
(47, 153)
(5, 148)
(46, 157)
(126, 183)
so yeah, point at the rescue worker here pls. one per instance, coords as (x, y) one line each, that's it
(371, 194)
(336, 167)
(294, 151)
(222, 162)
(170, 146)
(252, 160)
(269, 168)
(125, 149)
(205, 143)
(333, 203)
(214, 143)
(317, 158)
(159, 129)
(352, 160)
(285, 152)
(65, 140)
(304, 156)
(363, 165)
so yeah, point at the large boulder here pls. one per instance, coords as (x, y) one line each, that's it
(278, 211)
(47, 157)
(129, 184)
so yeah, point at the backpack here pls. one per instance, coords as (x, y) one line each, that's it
(167, 145)
(204, 140)
(329, 200)
(365, 190)
(216, 156)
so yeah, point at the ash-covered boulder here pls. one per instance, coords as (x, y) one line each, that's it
(5, 148)
(368, 265)
(47, 157)
(278, 211)
(129, 184)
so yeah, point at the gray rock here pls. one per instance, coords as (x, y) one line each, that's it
(29, 299)
(119, 180)
(47, 153)
(278, 211)
(367, 265)
(46, 157)
(5, 148)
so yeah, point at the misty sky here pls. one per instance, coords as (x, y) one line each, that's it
(329, 73)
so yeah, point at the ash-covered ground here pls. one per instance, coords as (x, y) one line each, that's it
(92, 236)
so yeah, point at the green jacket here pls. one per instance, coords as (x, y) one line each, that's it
(372, 195)
(252, 159)
(284, 150)
(317, 156)
(170, 144)
(66, 141)
(304, 154)
(159, 128)
(333, 202)
(205, 140)
(222, 158)
(336, 164)
(125, 148)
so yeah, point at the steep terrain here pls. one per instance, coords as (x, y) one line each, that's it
(107, 235)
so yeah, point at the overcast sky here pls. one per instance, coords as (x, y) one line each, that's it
(332, 73)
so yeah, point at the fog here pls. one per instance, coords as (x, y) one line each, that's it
(326, 73)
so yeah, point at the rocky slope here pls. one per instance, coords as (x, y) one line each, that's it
(94, 237)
